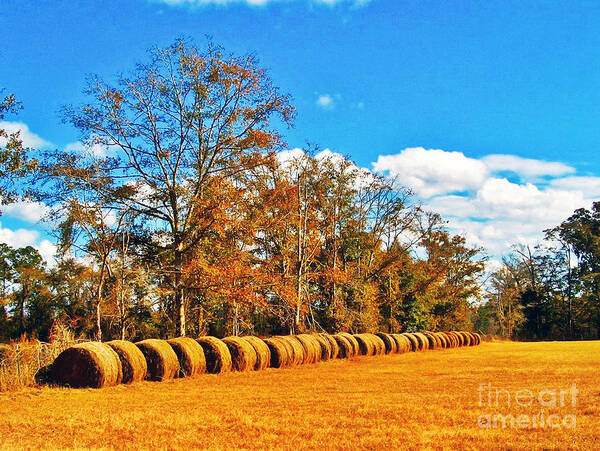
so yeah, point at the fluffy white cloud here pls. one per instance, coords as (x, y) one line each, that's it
(492, 211)
(28, 138)
(588, 186)
(430, 172)
(326, 101)
(94, 150)
(526, 167)
(25, 237)
(26, 211)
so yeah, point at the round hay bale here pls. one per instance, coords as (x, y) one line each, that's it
(423, 341)
(325, 345)
(43, 376)
(402, 342)
(263, 354)
(456, 337)
(216, 354)
(133, 361)
(335, 349)
(391, 346)
(353, 342)
(190, 356)
(454, 343)
(297, 349)
(447, 343)
(459, 338)
(472, 338)
(161, 359)
(280, 357)
(414, 342)
(432, 340)
(449, 339)
(379, 344)
(466, 338)
(345, 348)
(311, 348)
(92, 364)
(289, 349)
(243, 355)
(444, 339)
(478, 338)
(365, 343)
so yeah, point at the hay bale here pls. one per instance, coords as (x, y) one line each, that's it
(353, 342)
(379, 345)
(216, 354)
(391, 346)
(43, 376)
(263, 354)
(92, 364)
(365, 343)
(190, 356)
(345, 348)
(433, 341)
(297, 353)
(414, 342)
(402, 342)
(454, 341)
(289, 349)
(325, 345)
(311, 348)
(457, 338)
(443, 339)
(423, 341)
(161, 359)
(449, 339)
(478, 338)
(335, 349)
(132, 360)
(466, 338)
(243, 355)
(472, 338)
(280, 358)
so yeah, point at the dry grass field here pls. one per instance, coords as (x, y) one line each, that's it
(418, 400)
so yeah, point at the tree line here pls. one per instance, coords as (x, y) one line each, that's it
(182, 213)
(549, 291)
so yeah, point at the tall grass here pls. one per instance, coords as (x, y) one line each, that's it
(21, 360)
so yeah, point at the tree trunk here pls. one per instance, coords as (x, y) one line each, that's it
(180, 306)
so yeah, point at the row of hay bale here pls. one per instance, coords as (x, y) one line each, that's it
(96, 364)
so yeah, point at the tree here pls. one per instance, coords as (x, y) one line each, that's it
(581, 233)
(15, 160)
(181, 118)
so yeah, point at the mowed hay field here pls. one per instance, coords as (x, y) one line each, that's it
(414, 400)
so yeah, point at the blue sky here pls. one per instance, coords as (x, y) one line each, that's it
(424, 90)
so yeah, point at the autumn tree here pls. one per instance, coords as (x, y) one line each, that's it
(15, 159)
(178, 120)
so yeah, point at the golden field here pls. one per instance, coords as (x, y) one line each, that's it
(432, 399)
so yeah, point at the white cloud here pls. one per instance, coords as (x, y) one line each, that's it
(28, 138)
(589, 186)
(26, 211)
(326, 102)
(492, 211)
(26, 237)
(526, 167)
(95, 150)
(430, 172)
